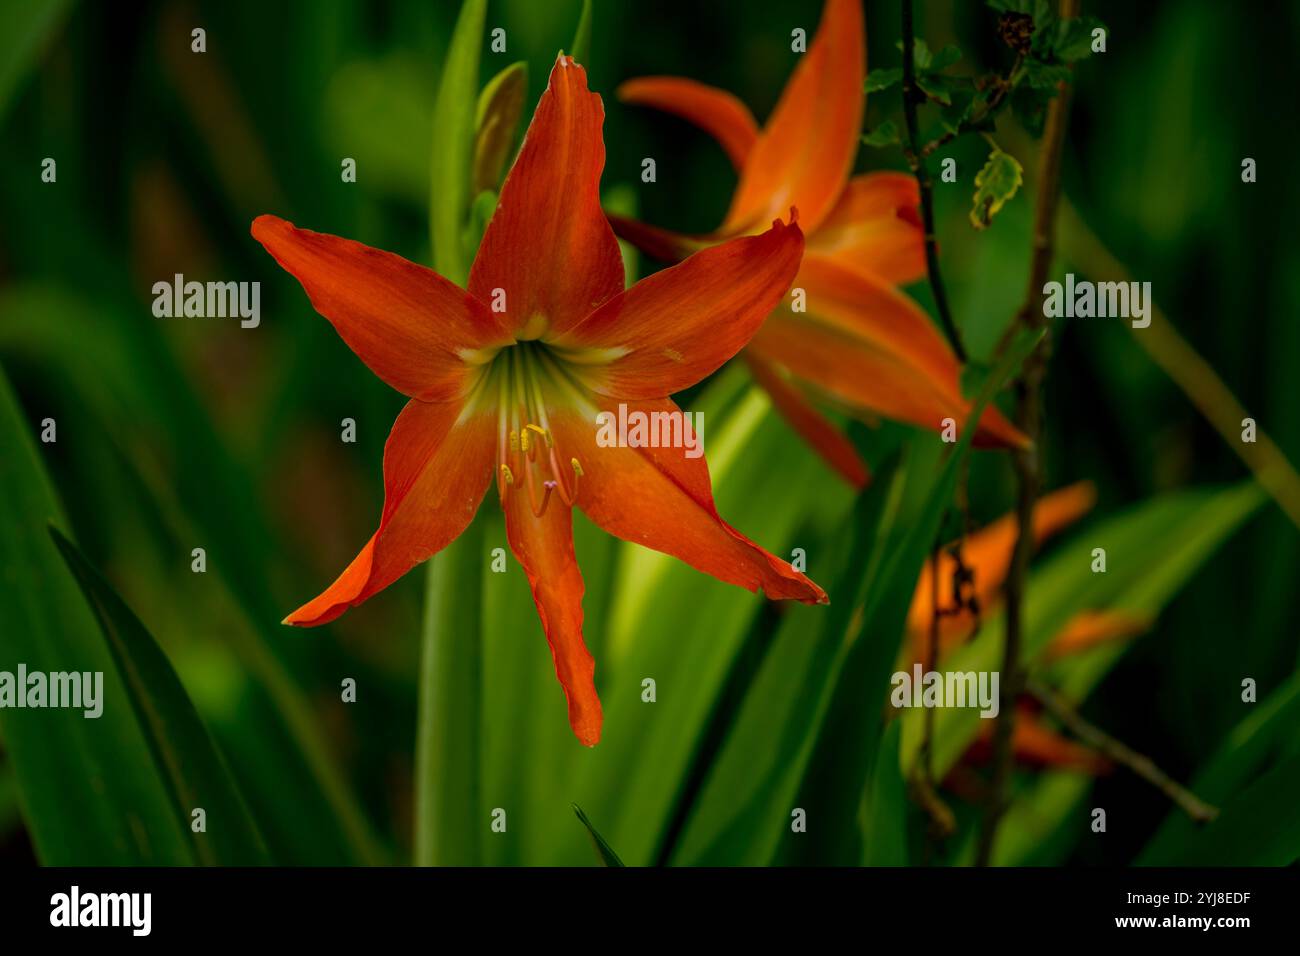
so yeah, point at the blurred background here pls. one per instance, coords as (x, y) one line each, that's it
(183, 433)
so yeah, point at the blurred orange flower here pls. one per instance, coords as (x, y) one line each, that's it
(987, 555)
(861, 342)
(509, 379)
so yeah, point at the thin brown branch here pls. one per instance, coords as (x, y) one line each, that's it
(1028, 466)
(912, 96)
(1120, 753)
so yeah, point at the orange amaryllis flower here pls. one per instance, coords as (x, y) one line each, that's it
(987, 554)
(1037, 746)
(509, 379)
(861, 342)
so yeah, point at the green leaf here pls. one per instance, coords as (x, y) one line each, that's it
(603, 850)
(886, 134)
(744, 803)
(884, 809)
(921, 55)
(1044, 12)
(1045, 76)
(1151, 550)
(1257, 739)
(480, 214)
(883, 79)
(89, 788)
(973, 376)
(131, 385)
(945, 58)
(995, 184)
(1039, 827)
(25, 29)
(936, 87)
(1073, 40)
(685, 630)
(1030, 107)
(961, 103)
(447, 776)
(581, 51)
(1260, 826)
(453, 143)
(851, 728)
(500, 107)
(187, 760)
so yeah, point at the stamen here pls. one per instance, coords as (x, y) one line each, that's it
(507, 475)
(547, 488)
(514, 440)
(577, 473)
(546, 435)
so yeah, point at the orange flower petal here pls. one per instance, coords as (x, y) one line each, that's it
(865, 377)
(806, 150)
(406, 322)
(437, 466)
(675, 327)
(875, 349)
(1036, 745)
(548, 246)
(717, 112)
(875, 228)
(663, 500)
(661, 244)
(544, 546)
(1089, 629)
(804, 418)
(987, 553)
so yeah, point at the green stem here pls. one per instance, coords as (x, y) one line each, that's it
(448, 815)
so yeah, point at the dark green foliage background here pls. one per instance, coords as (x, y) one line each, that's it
(164, 158)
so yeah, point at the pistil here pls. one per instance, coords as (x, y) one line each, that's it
(526, 442)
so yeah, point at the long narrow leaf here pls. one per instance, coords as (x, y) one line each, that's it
(603, 850)
(88, 786)
(196, 775)
(447, 812)
(453, 146)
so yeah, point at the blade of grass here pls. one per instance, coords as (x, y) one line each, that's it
(89, 789)
(187, 758)
(124, 380)
(603, 850)
(884, 808)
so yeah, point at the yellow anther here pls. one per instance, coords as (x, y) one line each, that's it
(577, 468)
(523, 440)
(514, 440)
(546, 436)
(507, 475)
